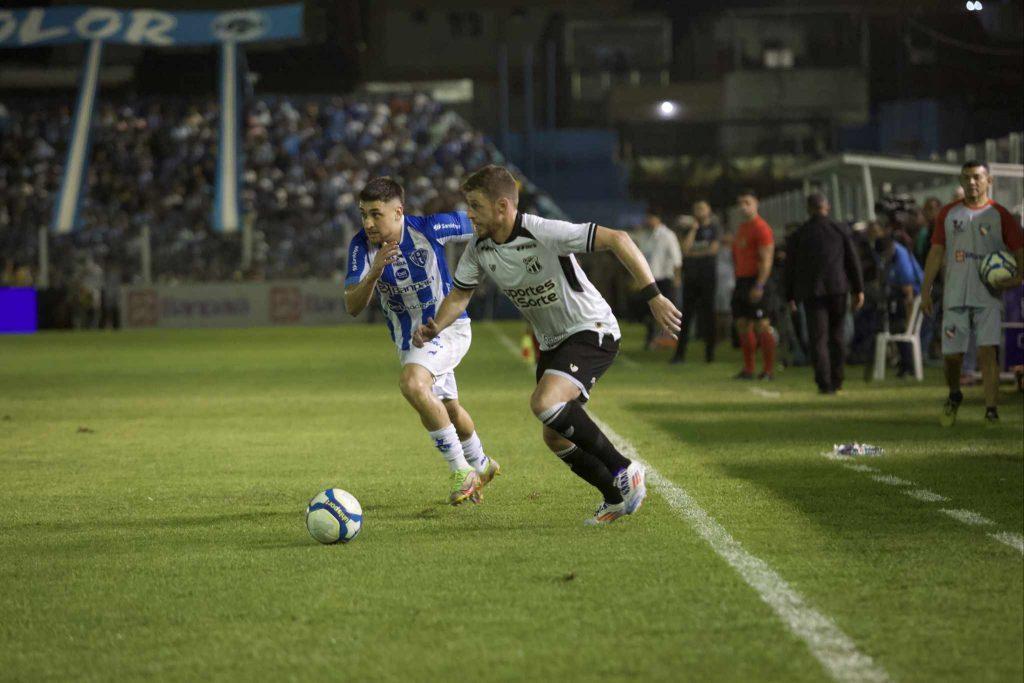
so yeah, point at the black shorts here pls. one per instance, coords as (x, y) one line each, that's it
(580, 359)
(741, 304)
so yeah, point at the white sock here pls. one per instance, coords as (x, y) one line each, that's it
(446, 440)
(474, 451)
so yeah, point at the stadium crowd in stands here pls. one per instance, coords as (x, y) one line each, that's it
(153, 163)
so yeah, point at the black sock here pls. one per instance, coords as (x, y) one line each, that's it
(956, 397)
(991, 410)
(573, 423)
(591, 470)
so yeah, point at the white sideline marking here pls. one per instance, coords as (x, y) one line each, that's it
(967, 517)
(890, 480)
(926, 495)
(857, 467)
(765, 393)
(1015, 541)
(826, 642)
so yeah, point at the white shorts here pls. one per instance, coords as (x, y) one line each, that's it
(959, 322)
(440, 356)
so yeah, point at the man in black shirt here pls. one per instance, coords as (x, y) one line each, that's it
(700, 258)
(822, 268)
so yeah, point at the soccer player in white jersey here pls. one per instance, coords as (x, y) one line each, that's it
(965, 232)
(402, 257)
(531, 259)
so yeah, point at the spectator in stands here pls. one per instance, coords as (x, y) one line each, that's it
(822, 271)
(153, 162)
(661, 248)
(700, 259)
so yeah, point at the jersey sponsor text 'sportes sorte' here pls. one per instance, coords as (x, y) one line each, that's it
(537, 271)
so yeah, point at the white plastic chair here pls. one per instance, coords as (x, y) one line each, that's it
(911, 336)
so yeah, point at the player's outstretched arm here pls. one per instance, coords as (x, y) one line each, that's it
(451, 308)
(357, 296)
(932, 265)
(663, 310)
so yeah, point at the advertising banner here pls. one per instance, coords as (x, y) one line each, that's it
(146, 27)
(244, 304)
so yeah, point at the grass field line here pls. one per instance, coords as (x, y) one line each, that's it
(909, 488)
(826, 642)
(1010, 539)
(765, 393)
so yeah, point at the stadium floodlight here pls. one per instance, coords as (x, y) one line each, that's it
(974, 5)
(667, 109)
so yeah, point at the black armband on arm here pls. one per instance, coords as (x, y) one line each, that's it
(650, 291)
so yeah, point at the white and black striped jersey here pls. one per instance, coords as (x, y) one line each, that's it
(536, 269)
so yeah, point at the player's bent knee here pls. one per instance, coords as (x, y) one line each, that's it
(541, 401)
(413, 386)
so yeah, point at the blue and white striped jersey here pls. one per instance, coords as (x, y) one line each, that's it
(412, 288)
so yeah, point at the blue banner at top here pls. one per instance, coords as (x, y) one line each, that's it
(146, 27)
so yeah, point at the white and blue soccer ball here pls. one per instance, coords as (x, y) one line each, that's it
(998, 266)
(334, 516)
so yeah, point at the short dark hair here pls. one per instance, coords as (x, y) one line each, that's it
(974, 163)
(815, 201)
(494, 181)
(382, 189)
(747, 192)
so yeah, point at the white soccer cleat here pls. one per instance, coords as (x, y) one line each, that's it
(632, 484)
(606, 513)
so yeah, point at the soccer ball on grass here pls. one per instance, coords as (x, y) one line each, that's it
(334, 516)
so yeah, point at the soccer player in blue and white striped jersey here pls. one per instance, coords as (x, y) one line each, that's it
(402, 257)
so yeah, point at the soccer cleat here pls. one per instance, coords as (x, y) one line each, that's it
(743, 374)
(949, 413)
(492, 470)
(631, 483)
(766, 376)
(991, 417)
(465, 486)
(606, 513)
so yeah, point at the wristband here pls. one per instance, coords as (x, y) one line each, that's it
(650, 291)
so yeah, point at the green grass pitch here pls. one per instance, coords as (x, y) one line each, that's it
(153, 484)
